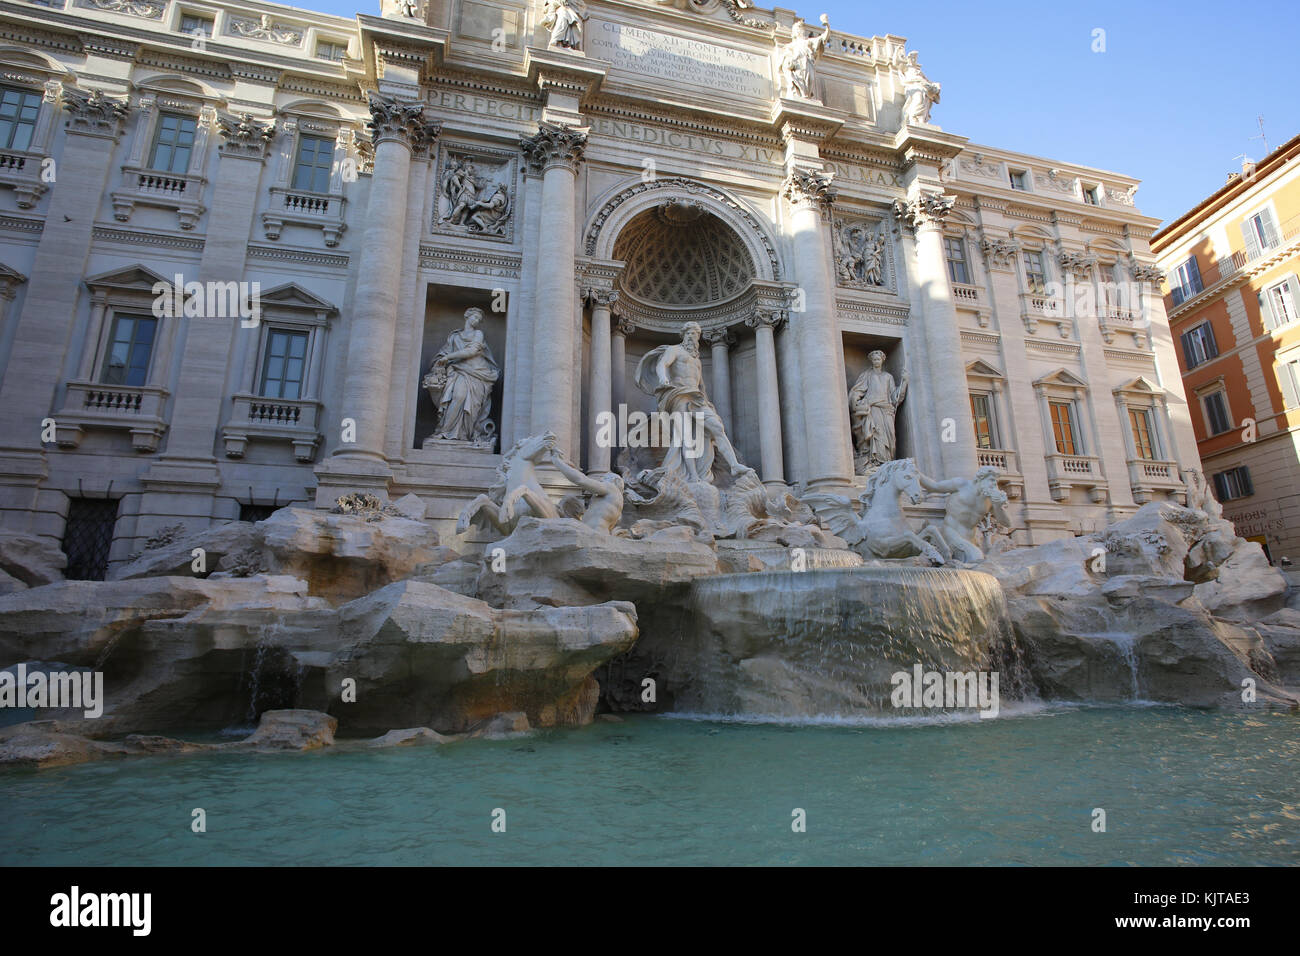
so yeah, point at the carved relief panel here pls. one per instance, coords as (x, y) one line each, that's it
(477, 192)
(863, 253)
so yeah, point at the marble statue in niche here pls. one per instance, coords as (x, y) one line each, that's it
(799, 57)
(859, 254)
(473, 199)
(873, 404)
(920, 94)
(460, 384)
(564, 19)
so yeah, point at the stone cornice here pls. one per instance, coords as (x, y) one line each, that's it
(808, 121)
(563, 71)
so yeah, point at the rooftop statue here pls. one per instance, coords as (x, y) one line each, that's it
(919, 92)
(799, 57)
(564, 19)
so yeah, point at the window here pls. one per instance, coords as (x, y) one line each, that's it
(1278, 304)
(1233, 483)
(192, 24)
(311, 171)
(1092, 195)
(283, 365)
(1199, 345)
(1019, 179)
(18, 109)
(1260, 232)
(1065, 428)
(1216, 413)
(1035, 272)
(329, 50)
(172, 143)
(87, 537)
(1185, 281)
(955, 250)
(981, 407)
(129, 350)
(1144, 445)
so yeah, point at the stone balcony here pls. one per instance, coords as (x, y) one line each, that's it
(1075, 471)
(1008, 466)
(288, 420)
(323, 211)
(136, 409)
(20, 170)
(970, 296)
(1147, 478)
(148, 187)
(1038, 307)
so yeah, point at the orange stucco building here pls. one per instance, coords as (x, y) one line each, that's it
(1232, 294)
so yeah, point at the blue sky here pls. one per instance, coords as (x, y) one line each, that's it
(1173, 100)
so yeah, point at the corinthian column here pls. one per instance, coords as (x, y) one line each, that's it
(599, 397)
(399, 130)
(720, 340)
(817, 336)
(924, 214)
(556, 150)
(764, 322)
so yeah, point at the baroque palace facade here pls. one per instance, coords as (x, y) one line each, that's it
(590, 178)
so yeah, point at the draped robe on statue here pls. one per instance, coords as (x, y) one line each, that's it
(466, 400)
(686, 401)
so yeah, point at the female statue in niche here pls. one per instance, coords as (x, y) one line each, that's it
(460, 383)
(873, 402)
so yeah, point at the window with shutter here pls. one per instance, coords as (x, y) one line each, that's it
(1288, 376)
(1199, 345)
(1216, 413)
(1278, 304)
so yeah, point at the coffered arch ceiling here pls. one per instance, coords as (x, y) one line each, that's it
(678, 255)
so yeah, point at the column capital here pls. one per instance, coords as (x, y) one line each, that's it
(600, 298)
(94, 113)
(554, 144)
(805, 187)
(765, 318)
(624, 326)
(721, 337)
(1000, 253)
(1146, 272)
(927, 209)
(401, 121)
(245, 137)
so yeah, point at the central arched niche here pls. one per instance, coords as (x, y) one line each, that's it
(678, 255)
(683, 263)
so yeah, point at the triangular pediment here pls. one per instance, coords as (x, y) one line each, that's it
(10, 276)
(982, 369)
(1062, 377)
(135, 278)
(293, 296)
(1140, 384)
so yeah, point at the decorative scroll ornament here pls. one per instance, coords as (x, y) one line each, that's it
(402, 120)
(720, 336)
(94, 112)
(554, 144)
(927, 209)
(809, 187)
(244, 135)
(1000, 252)
(149, 9)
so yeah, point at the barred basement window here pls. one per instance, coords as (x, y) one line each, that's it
(87, 537)
(256, 512)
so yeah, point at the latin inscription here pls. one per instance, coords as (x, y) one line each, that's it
(679, 59)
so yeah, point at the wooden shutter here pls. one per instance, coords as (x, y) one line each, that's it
(1287, 374)
(1252, 240)
(1272, 236)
